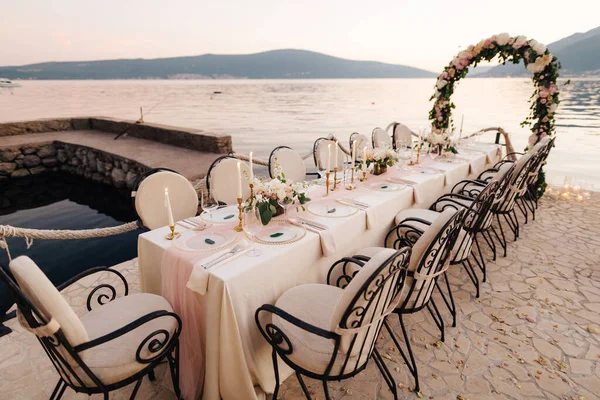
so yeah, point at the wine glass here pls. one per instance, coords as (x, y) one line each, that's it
(434, 151)
(284, 203)
(405, 153)
(208, 202)
(252, 224)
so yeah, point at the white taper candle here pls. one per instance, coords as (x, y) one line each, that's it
(168, 206)
(239, 171)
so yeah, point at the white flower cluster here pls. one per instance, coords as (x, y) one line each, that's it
(381, 154)
(271, 189)
(437, 137)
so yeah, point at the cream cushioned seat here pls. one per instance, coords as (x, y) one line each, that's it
(314, 304)
(115, 360)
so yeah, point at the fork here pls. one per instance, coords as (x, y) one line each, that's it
(236, 249)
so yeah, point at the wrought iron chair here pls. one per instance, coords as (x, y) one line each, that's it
(328, 332)
(289, 163)
(320, 153)
(430, 258)
(381, 138)
(400, 133)
(116, 344)
(221, 179)
(148, 197)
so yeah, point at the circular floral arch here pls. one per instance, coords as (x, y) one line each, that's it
(537, 59)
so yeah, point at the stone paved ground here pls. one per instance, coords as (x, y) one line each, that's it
(533, 333)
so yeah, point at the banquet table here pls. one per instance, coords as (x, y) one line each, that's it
(231, 360)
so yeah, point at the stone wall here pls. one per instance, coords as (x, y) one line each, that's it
(195, 139)
(18, 162)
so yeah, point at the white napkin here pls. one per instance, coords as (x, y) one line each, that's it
(327, 242)
(467, 160)
(198, 281)
(370, 213)
(417, 195)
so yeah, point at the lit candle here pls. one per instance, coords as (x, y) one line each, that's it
(565, 195)
(353, 152)
(364, 158)
(328, 157)
(336, 155)
(576, 189)
(239, 191)
(251, 169)
(579, 197)
(420, 133)
(169, 210)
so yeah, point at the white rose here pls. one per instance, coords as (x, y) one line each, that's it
(519, 42)
(537, 46)
(441, 83)
(535, 67)
(503, 39)
(552, 108)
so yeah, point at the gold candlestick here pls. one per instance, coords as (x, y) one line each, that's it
(364, 176)
(251, 191)
(239, 227)
(172, 235)
(352, 181)
(351, 186)
(327, 183)
(334, 178)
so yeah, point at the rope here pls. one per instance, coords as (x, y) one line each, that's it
(45, 234)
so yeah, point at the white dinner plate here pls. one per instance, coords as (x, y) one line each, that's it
(426, 170)
(331, 209)
(212, 239)
(221, 215)
(386, 186)
(280, 232)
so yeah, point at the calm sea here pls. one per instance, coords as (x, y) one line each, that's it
(261, 114)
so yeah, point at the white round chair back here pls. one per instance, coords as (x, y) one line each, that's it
(289, 163)
(381, 138)
(322, 152)
(150, 199)
(402, 134)
(223, 178)
(362, 141)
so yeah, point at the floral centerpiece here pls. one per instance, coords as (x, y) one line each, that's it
(444, 140)
(270, 194)
(381, 158)
(537, 59)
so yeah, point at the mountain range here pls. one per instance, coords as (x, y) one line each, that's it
(579, 54)
(275, 64)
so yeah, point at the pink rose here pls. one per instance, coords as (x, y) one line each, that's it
(487, 43)
(545, 119)
(552, 89)
(544, 92)
(543, 101)
(543, 135)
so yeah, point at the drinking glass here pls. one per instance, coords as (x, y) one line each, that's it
(405, 153)
(284, 203)
(434, 151)
(252, 224)
(208, 202)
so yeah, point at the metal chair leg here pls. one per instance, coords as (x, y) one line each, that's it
(303, 385)
(276, 371)
(482, 266)
(174, 368)
(387, 375)
(490, 241)
(472, 275)
(59, 390)
(135, 389)
(410, 364)
(449, 302)
(437, 318)
(326, 391)
(503, 240)
(151, 375)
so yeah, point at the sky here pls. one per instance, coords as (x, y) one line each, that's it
(423, 33)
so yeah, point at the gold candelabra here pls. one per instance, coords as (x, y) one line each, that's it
(327, 183)
(334, 178)
(172, 235)
(251, 191)
(364, 176)
(240, 216)
(351, 186)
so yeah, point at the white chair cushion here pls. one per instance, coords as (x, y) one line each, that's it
(44, 295)
(224, 180)
(150, 199)
(290, 163)
(322, 154)
(115, 360)
(314, 304)
(402, 134)
(381, 138)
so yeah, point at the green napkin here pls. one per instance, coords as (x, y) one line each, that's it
(209, 241)
(276, 235)
(384, 187)
(229, 216)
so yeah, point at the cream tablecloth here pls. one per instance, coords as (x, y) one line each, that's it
(236, 359)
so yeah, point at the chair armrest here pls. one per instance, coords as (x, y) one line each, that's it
(514, 153)
(157, 341)
(482, 176)
(404, 235)
(450, 200)
(102, 298)
(342, 271)
(276, 337)
(460, 186)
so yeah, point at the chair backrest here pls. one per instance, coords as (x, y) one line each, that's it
(288, 162)
(381, 138)
(42, 310)
(516, 183)
(371, 295)
(321, 152)
(222, 179)
(149, 197)
(401, 134)
(430, 258)
(361, 142)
